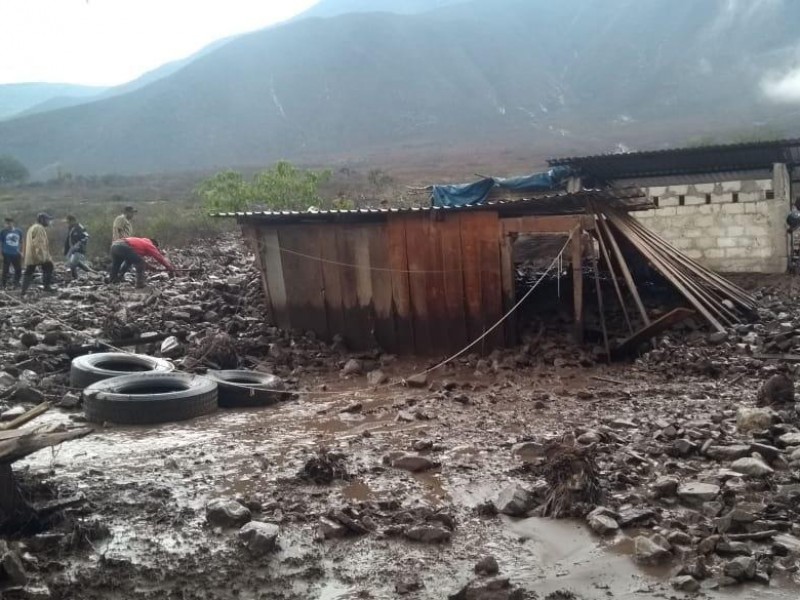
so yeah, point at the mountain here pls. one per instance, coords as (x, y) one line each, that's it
(19, 97)
(532, 76)
(334, 8)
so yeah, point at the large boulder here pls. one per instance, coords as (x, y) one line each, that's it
(223, 512)
(515, 501)
(695, 492)
(750, 465)
(259, 538)
(754, 419)
(778, 389)
(650, 551)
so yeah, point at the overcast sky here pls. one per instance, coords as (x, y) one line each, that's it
(108, 42)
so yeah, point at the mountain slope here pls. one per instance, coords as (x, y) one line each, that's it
(19, 97)
(568, 76)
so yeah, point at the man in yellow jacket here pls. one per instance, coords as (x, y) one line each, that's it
(37, 254)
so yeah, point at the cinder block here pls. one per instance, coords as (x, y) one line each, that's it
(726, 242)
(714, 253)
(734, 209)
(683, 243)
(745, 197)
(705, 220)
(668, 211)
(686, 210)
(719, 198)
(695, 200)
(705, 209)
(667, 202)
(715, 232)
(693, 233)
(737, 252)
(764, 252)
(692, 253)
(734, 231)
(731, 186)
(704, 243)
(757, 231)
(704, 188)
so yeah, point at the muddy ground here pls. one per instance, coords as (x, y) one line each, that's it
(477, 430)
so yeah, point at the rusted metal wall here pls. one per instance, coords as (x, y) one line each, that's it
(409, 284)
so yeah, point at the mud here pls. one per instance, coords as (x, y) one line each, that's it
(484, 424)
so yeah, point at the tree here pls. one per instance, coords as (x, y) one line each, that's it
(11, 170)
(283, 187)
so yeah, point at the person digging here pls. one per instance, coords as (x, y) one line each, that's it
(133, 251)
(75, 247)
(37, 254)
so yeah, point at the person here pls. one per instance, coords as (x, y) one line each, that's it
(75, 246)
(133, 251)
(11, 244)
(123, 226)
(37, 253)
(121, 229)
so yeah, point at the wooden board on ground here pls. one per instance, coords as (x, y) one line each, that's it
(631, 344)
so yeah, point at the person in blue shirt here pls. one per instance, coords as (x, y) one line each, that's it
(11, 244)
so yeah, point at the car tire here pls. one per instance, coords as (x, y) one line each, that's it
(86, 370)
(147, 398)
(242, 389)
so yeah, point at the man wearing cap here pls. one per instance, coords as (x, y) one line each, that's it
(37, 254)
(75, 246)
(11, 244)
(133, 251)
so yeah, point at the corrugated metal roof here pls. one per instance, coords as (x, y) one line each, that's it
(551, 204)
(680, 161)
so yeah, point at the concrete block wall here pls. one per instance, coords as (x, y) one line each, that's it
(731, 226)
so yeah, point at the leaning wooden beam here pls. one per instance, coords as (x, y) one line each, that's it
(26, 417)
(626, 273)
(688, 289)
(613, 273)
(20, 447)
(663, 323)
(577, 284)
(600, 307)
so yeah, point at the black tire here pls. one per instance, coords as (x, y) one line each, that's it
(239, 388)
(88, 369)
(146, 398)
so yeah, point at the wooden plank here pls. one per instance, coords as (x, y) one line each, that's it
(491, 280)
(273, 270)
(453, 279)
(663, 323)
(471, 262)
(418, 250)
(301, 251)
(600, 307)
(435, 289)
(540, 224)
(401, 293)
(610, 265)
(357, 332)
(623, 266)
(577, 285)
(508, 282)
(331, 281)
(381, 279)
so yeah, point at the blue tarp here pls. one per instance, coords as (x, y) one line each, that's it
(476, 193)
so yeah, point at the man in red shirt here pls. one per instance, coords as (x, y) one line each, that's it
(133, 250)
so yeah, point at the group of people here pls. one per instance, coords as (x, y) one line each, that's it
(25, 257)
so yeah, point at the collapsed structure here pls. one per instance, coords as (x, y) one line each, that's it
(432, 280)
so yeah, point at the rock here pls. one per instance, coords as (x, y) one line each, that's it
(487, 566)
(647, 551)
(171, 347)
(753, 419)
(754, 467)
(428, 534)
(778, 389)
(413, 462)
(29, 339)
(726, 453)
(717, 337)
(685, 583)
(356, 407)
(499, 588)
(6, 381)
(787, 544)
(741, 568)
(329, 529)
(351, 367)
(679, 538)
(408, 584)
(790, 439)
(259, 538)
(696, 493)
(70, 400)
(514, 501)
(417, 381)
(377, 377)
(603, 525)
(12, 413)
(27, 394)
(589, 437)
(665, 487)
(770, 453)
(725, 546)
(226, 513)
(12, 565)
(630, 516)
